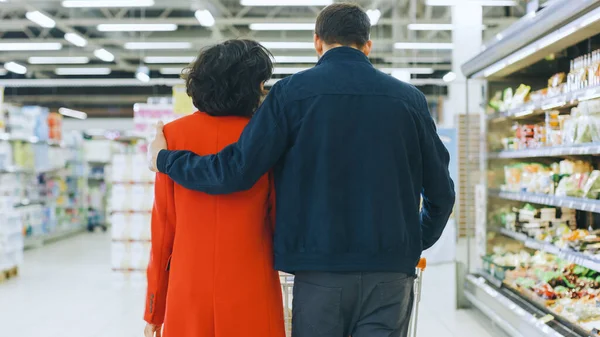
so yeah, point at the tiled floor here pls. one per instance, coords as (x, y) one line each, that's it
(66, 290)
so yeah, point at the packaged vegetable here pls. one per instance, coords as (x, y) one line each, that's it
(592, 186)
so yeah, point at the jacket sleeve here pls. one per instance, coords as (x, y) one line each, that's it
(163, 235)
(438, 188)
(238, 166)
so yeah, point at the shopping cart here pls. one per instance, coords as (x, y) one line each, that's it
(287, 286)
(414, 317)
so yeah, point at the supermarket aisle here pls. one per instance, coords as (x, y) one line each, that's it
(66, 290)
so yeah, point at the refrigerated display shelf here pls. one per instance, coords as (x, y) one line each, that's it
(581, 204)
(566, 254)
(515, 315)
(31, 140)
(589, 149)
(556, 102)
(38, 241)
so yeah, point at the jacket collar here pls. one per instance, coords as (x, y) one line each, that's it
(343, 54)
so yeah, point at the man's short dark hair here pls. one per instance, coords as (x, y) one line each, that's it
(225, 79)
(343, 23)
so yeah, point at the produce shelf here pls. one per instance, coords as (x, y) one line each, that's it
(582, 204)
(513, 314)
(588, 149)
(556, 102)
(563, 253)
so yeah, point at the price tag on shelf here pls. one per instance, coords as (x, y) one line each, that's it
(533, 244)
(546, 319)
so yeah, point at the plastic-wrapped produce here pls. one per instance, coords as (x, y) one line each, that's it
(592, 185)
(570, 128)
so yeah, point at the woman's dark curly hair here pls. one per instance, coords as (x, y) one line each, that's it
(225, 79)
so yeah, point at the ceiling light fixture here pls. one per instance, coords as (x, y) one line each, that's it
(157, 45)
(205, 18)
(82, 71)
(169, 59)
(76, 39)
(449, 77)
(302, 3)
(104, 55)
(58, 60)
(170, 71)
(430, 26)
(137, 27)
(40, 19)
(143, 74)
(374, 15)
(288, 70)
(22, 46)
(288, 45)
(423, 45)
(16, 68)
(401, 75)
(282, 26)
(486, 3)
(72, 113)
(296, 59)
(107, 3)
(421, 71)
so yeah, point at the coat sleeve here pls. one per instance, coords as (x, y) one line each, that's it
(238, 166)
(438, 188)
(163, 235)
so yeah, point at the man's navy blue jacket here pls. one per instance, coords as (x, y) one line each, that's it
(352, 150)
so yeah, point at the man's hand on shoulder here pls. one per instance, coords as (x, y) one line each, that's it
(158, 143)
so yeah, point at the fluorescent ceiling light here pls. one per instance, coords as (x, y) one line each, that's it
(137, 27)
(20, 46)
(374, 15)
(423, 45)
(76, 39)
(423, 71)
(288, 70)
(58, 60)
(171, 71)
(104, 55)
(271, 82)
(40, 19)
(491, 3)
(296, 59)
(434, 26)
(430, 26)
(157, 45)
(418, 59)
(401, 75)
(449, 77)
(15, 68)
(204, 17)
(301, 3)
(143, 74)
(82, 71)
(169, 59)
(288, 45)
(72, 113)
(282, 26)
(107, 3)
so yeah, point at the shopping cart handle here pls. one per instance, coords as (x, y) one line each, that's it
(422, 263)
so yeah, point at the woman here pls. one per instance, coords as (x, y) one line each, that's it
(211, 268)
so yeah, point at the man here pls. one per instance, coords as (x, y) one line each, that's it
(352, 150)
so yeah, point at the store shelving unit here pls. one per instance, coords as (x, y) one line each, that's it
(565, 30)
